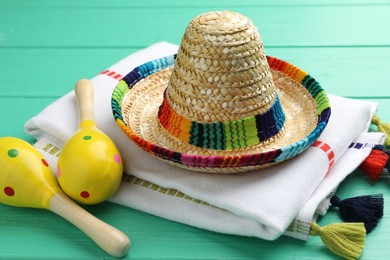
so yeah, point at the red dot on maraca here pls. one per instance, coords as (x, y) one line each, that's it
(84, 194)
(9, 191)
(45, 163)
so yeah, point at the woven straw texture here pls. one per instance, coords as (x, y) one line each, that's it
(221, 108)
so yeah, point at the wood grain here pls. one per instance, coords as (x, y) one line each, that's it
(307, 25)
(46, 46)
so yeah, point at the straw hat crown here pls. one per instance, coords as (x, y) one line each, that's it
(221, 105)
(221, 94)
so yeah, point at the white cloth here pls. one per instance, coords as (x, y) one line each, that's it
(261, 203)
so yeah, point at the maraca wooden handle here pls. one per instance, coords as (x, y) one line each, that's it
(84, 95)
(107, 237)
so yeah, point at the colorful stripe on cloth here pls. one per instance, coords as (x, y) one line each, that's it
(112, 74)
(327, 149)
(191, 160)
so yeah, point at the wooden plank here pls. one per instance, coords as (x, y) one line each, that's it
(27, 227)
(53, 72)
(45, 46)
(179, 3)
(14, 113)
(129, 27)
(350, 72)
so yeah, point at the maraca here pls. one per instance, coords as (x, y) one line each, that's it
(89, 167)
(27, 181)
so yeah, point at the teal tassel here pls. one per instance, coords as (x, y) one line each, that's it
(367, 209)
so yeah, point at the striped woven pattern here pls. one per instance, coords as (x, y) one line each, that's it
(233, 162)
(229, 135)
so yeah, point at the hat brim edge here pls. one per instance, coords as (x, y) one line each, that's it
(225, 163)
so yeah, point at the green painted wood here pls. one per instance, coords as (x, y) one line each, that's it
(45, 46)
(53, 72)
(14, 112)
(146, 231)
(279, 25)
(180, 3)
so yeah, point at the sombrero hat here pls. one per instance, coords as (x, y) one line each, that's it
(221, 105)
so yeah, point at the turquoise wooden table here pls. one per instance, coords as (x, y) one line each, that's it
(46, 46)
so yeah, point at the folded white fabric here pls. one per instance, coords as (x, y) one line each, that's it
(264, 203)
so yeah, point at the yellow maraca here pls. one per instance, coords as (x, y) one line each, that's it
(27, 181)
(89, 167)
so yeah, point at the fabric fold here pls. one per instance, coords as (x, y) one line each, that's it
(262, 203)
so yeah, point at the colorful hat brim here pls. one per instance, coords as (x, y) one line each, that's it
(232, 162)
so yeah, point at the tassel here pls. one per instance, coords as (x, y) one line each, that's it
(375, 162)
(344, 239)
(383, 128)
(367, 209)
(387, 166)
